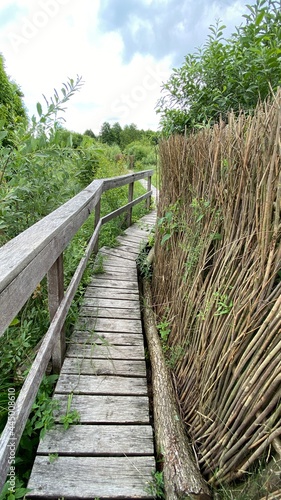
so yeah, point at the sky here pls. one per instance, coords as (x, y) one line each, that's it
(123, 49)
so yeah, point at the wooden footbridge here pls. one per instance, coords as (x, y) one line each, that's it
(110, 452)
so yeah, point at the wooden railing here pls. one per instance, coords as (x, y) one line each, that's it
(38, 252)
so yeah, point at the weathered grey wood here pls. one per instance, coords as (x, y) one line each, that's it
(148, 201)
(114, 293)
(55, 296)
(32, 382)
(109, 325)
(97, 219)
(106, 366)
(111, 253)
(130, 198)
(102, 303)
(135, 245)
(98, 440)
(122, 180)
(130, 276)
(125, 208)
(92, 477)
(95, 310)
(116, 283)
(105, 409)
(26, 259)
(94, 385)
(106, 338)
(128, 256)
(96, 351)
(120, 270)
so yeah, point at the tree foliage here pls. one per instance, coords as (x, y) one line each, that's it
(226, 74)
(12, 110)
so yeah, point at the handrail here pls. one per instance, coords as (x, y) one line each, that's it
(30, 256)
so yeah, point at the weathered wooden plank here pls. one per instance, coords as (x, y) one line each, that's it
(101, 384)
(114, 313)
(114, 293)
(106, 366)
(111, 303)
(108, 352)
(111, 275)
(109, 325)
(112, 266)
(106, 338)
(105, 409)
(112, 253)
(91, 477)
(116, 283)
(125, 240)
(116, 252)
(98, 440)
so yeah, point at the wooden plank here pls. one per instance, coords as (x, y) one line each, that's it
(125, 240)
(95, 440)
(55, 280)
(105, 409)
(101, 384)
(114, 293)
(106, 366)
(111, 303)
(112, 275)
(116, 252)
(120, 271)
(114, 283)
(109, 325)
(116, 261)
(106, 338)
(114, 313)
(105, 352)
(91, 477)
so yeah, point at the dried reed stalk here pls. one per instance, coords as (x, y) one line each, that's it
(216, 280)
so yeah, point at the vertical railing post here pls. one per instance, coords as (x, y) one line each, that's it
(55, 296)
(97, 219)
(130, 198)
(148, 200)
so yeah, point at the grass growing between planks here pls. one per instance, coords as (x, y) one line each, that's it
(217, 283)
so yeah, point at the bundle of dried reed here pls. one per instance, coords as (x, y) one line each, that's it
(217, 282)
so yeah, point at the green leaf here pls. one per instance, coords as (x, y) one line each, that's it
(165, 238)
(39, 109)
(3, 134)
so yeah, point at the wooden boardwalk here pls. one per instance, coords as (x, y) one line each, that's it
(110, 453)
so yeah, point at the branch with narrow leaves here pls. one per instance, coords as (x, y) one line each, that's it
(55, 105)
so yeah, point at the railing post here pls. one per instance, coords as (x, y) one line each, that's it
(148, 201)
(130, 198)
(55, 296)
(97, 219)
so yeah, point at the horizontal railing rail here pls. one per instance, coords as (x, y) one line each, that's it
(26, 260)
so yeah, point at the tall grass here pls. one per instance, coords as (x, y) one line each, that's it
(217, 281)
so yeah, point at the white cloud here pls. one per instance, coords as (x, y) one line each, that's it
(48, 41)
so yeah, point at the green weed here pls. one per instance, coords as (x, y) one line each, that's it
(156, 486)
(70, 417)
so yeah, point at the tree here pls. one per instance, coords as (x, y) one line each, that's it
(130, 134)
(226, 75)
(117, 133)
(106, 135)
(90, 133)
(12, 110)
